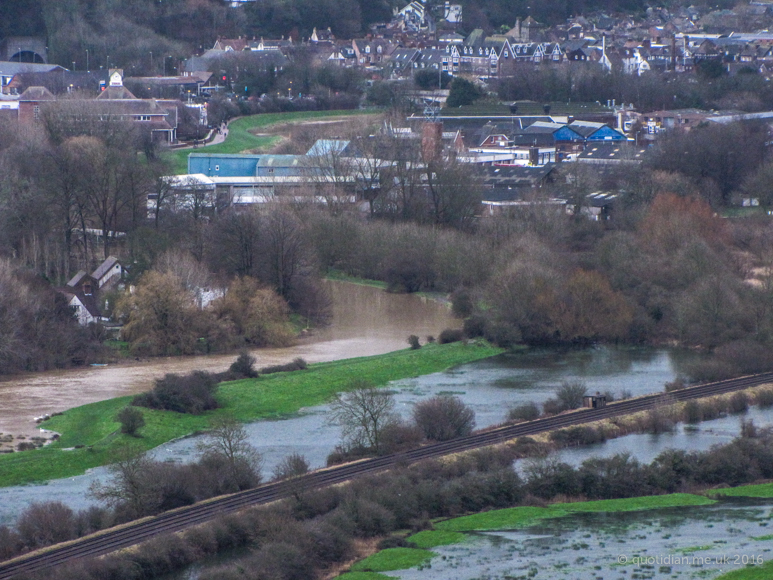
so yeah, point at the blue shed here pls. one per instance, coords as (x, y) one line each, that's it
(223, 165)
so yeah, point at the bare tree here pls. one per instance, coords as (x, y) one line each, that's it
(228, 443)
(363, 413)
(131, 485)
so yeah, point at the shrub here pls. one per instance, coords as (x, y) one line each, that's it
(738, 403)
(675, 385)
(193, 393)
(131, 420)
(450, 335)
(764, 398)
(293, 465)
(443, 418)
(658, 420)
(579, 435)
(413, 340)
(526, 412)
(570, 394)
(552, 406)
(461, 304)
(46, 523)
(398, 435)
(475, 326)
(692, 412)
(244, 365)
(297, 364)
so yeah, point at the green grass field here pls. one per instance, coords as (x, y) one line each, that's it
(759, 490)
(364, 576)
(90, 437)
(519, 517)
(393, 559)
(764, 572)
(241, 139)
(450, 531)
(432, 538)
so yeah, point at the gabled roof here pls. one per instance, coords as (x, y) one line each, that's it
(116, 93)
(543, 127)
(88, 302)
(585, 128)
(104, 267)
(37, 94)
(77, 279)
(324, 147)
(475, 38)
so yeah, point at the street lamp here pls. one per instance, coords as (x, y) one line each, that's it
(87, 60)
(151, 62)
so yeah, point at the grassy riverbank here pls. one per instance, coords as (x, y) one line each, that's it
(90, 435)
(242, 138)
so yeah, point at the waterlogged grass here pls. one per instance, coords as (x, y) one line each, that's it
(693, 549)
(764, 572)
(393, 559)
(433, 538)
(520, 517)
(759, 490)
(363, 576)
(90, 436)
(338, 275)
(241, 137)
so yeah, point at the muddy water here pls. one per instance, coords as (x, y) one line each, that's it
(366, 321)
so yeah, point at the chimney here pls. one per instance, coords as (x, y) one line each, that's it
(431, 141)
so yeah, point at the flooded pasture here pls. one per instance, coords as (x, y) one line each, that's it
(489, 387)
(682, 544)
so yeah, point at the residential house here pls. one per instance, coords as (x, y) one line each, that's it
(82, 290)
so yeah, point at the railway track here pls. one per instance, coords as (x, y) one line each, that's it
(134, 533)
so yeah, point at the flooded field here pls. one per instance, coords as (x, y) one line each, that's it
(681, 544)
(489, 387)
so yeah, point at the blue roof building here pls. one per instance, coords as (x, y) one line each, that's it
(223, 165)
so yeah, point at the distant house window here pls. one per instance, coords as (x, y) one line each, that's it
(367, 50)
(36, 112)
(142, 118)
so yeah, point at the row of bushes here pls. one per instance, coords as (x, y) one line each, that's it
(193, 393)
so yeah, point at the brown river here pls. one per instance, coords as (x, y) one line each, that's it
(366, 321)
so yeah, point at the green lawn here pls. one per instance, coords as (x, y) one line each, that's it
(93, 427)
(340, 276)
(241, 139)
(519, 517)
(363, 576)
(759, 490)
(432, 538)
(393, 559)
(764, 572)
